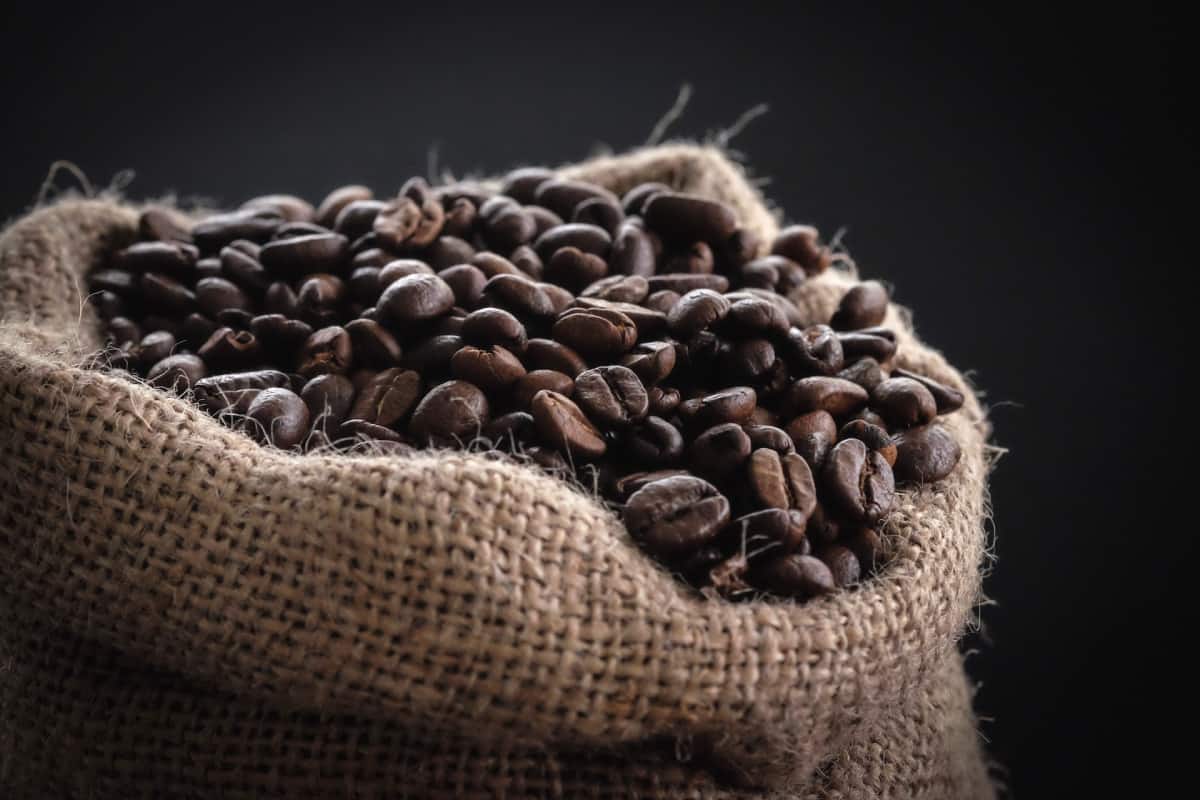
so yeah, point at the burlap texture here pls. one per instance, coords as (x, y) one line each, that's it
(183, 612)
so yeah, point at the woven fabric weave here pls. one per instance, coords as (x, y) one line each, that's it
(184, 612)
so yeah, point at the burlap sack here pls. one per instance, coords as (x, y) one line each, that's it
(185, 613)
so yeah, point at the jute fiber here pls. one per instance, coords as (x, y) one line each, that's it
(186, 613)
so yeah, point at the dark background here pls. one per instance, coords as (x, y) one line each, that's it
(1016, 174)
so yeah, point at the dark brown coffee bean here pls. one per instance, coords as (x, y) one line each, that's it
(228, 349)
(563, 196)
(689, 218)
(522, 184)
(329, 399)
(685, 282)
(765, 534)
(177, 373)
(491, 265)
(653, 442)
(320, 298)
(301, 255)
(279, 336)
(401, 268)
(793, 575)
(281, 418)
(447, 251)
(754, 316)
(235, 318)
(108, 304)
(164, 224)
(773, 273)
(166, 295)
(328, 350)
(617, 288)
(533, 382)
(510, 431)
(815, 350)
(843, 564)
(676, 516)
(373, 345)
(521, 295)
(290, 230)
(414, 299)
(720, 450)
(544, 219)
(925, 454)
(467, 282)
(598, 334)
(588, 238)
(695, 311)
(612, 396)
(747, 361)
(153, 347)
(489, 326)
(866, 372)
(327, 212)
(244, 269)
(789, 309)
(574, 269)
(947, 398)
(769, 436)
(626, 485)
(858, 481)
(601, 212)
(651, 361)
(863, 306)
(860, 344)
(176, 259)
(195, 330)
(404, 221)
(280, 299)
(562, 425)
(697, 259)
(823, 527)
(493, 369)
(632, 252)
(873, 436)
(509, 228)
(290, 207)
(365, 286)
(357, 218)
(740, 248)
(432, 356)
(635, 199)
(549, 354)
(214, 295)
(735, 404)
(387, 398)
(527, 261)
(371, 257)
(866, 546)
(453, 412)
(814, 435)
(904, 403)
(837, 396)
(460, 218)
(802, 244)
(233, 392)
(781, 481)
(663, 300)
(213, 233)
(662, 402)
(649, 323)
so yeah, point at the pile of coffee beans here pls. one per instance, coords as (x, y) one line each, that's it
(638, 344)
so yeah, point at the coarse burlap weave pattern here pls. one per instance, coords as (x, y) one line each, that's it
(185, 613)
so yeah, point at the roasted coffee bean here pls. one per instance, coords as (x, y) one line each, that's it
(447, 251)
(522, 184)
(596, 333)
(166, 295)
(662, 402)
(774, 273)
(399, 268)
(802, 244)
(279, 336)
(562, 425)
(508, 431)
(601, 212)
(748, 360)
(244, 269)
(326, 350)
(740, 248)
(766, 533)
(509, 228)
(533, 382)
(234, 392)
(491, 265)
(588, 238)
(387, 398)
(618, 288)
(859, 344)
(662, 301)
(925, 454)
(327, 212)
(373, 345)
(635, 199)
(357, 218)
(866, 546)
(735, 404)
(489, 326)
(227, 349)
(329, 399)
(863, 306)
(653, 441)
(288, 206)
(320, 298)
(549, 354)
(213, 233)
(683, 282)
(214, 295)
(651, 361)
(467, 282)
(108, 304)
(904, 403)
(563, 196)
(720, 450)
(574, 269)
(866, 372)
(785, 306)
(858, 481)
(837, 396)
(632, 252)
(522, 296)
(695, 311)
(782, 481)
(814, 435)
(493, 369)
(873, 436)
(460, 218)
(280, 299)
(649, 323)
(823, 527)
(612, 396)
(754, 316)
(793, 575)
(195, 330)
(235, 318)
(769, 436)
(688, 218)
(164, 224)
(301, 255)
(544, 219)
(815, 350)
(947, 398)
(154, 347)
(177, 373)
(176, 259)
(208, 268)
(290, 230)
(676, 516)
(527, 261)
(432, 214)
(626, 485)
(364, 285)
(696, 259)
(414, 299)
(281, 418)
(843, 564)
(452, 413)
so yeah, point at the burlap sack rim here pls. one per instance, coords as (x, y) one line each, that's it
(836, 618)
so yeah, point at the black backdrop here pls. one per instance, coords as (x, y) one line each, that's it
(1011, 172)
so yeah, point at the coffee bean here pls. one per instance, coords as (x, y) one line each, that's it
(329, 399)
(747, 361)
(695, 311)
(387, 398)
(774, 273)
(632, 252)
(493, 369)
(234, 392)
(177, 373)
(520, 295)
(491, 265)
(213, 295)
(301, 255)
(689, 218)
(676, 516)
(823, 527)
(652, 441)
(866, 372)
(754, 316)
(601, 212)
(866, 546)
(327, 212)
(793, 576)
(397, 222)
(612, 396)
(873, 436)
(626, 485)
(649, 323)
(522, 184)
(460, 218)
(802, 244)
(618, 288)
(552, 355)
(562, 425)
(843, 564)
(588, 238)
(769, 436)
(373, 345)
(452, 413)
(447, 251)
(858, 481)
(860, 344)
(766, 533)
(533, 382)
(414, 299)
(108, 304)
(863, 306)
(815, 350)
(509, 228)
(947, 398)
(595, 333)
(195, 330)
(176, 259)
(244, 269)
(214, 232)
(781, 481)
(574, 269)
(563, 196)
(164, 224)
(166, 295)
(357, 218)
(281, 418)
(235, 318)
(662, 301)
(903, 402)
(467, 282)
(290, 207)
(401, 268)
(527, 261)
(544, 219)
(489, 326)
(814, 434)
(662, 402)
(683, 283)
(327, 350)
(837, 396)
(925, 454)
(651, 361)
(635, 199)
(720, 450)
(697, 259)
(227, 349)
(432, 214)
(506, 432)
